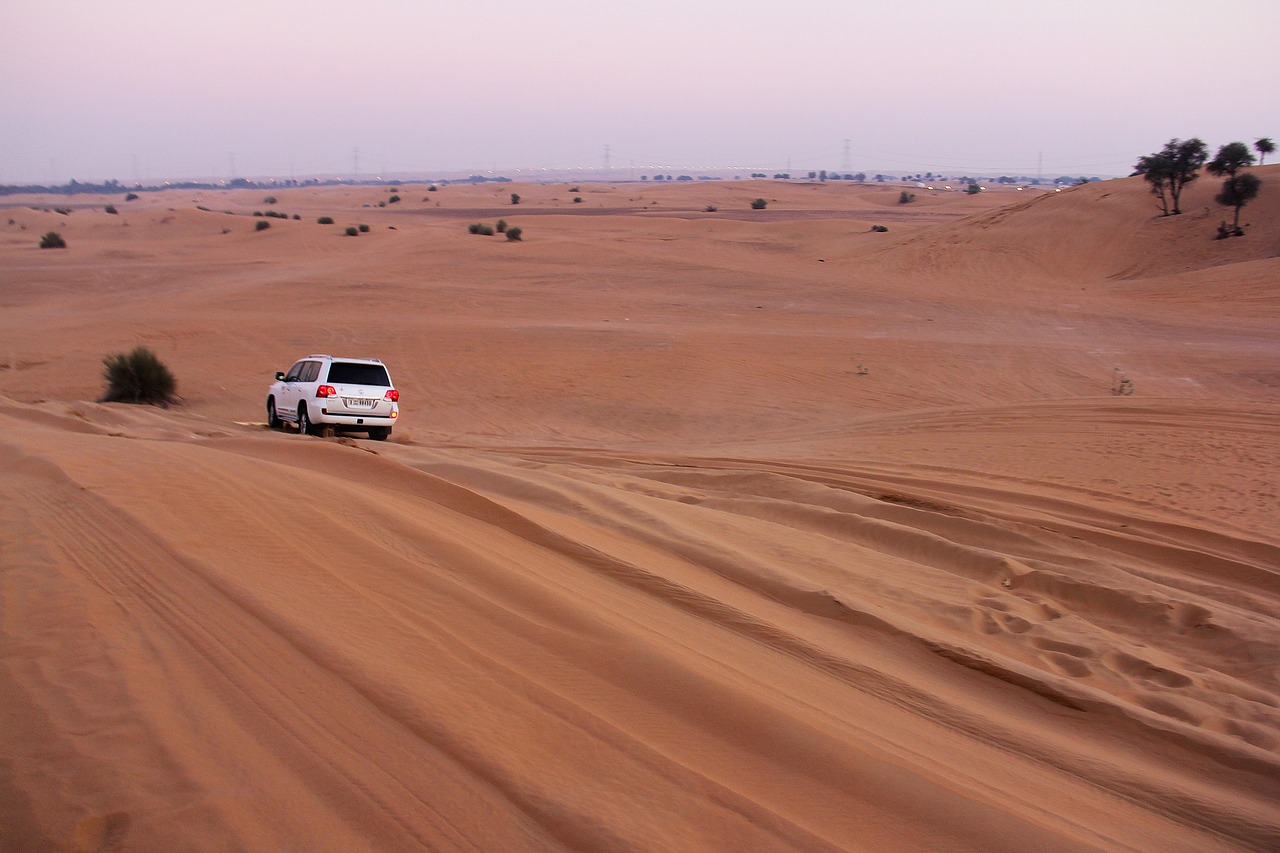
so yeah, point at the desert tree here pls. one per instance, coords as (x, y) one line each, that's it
(1170, 169)
(1240, 187)
(1264, 147)
(1229, 160)
(1237, 191)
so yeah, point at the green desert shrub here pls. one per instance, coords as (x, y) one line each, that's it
(501, 226)
(364, 229)
(758, 204)
(974, 189)
(577, 199)
(905, 197)
(711, 208)
(297, 216)
(261, 225)
(137, 377)
(514, 233)
(111, 208)
(131, 197)
(325, 220)
(353, 231)
(269, 200)
(880, 228)
(393, 200)
(474, 228)
(52, 240)
(515, 198)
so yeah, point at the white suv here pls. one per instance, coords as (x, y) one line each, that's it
(323, 393)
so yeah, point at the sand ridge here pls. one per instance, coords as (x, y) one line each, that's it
(698, 533)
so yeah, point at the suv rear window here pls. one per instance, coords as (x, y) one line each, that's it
(352, 373)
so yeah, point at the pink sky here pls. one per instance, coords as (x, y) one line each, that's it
(148, 90)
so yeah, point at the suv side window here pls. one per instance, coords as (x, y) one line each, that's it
(310, 372)
(294, 372)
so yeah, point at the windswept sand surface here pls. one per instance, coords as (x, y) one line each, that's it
(702, 531)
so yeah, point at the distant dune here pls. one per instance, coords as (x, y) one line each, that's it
(739, 529)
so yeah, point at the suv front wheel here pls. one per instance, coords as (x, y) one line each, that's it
(273, 420)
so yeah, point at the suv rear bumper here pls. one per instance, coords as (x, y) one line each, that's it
(323, 417)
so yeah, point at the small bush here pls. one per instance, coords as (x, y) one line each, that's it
(393, 200)
(474, 228)
(575, 189)
(905, 197)
(52, 240)
(711, 208)
(974, 189)
(131, 197)
(297, 216)
(577, 199)
(269, 200)
(514, 233)
(352, 231)
(63, 211)
(111, 208)
(261, 225)
(758, 204)
(325, 220)
(515, 198)
(137, 377)
(364, 229)
(257, 213)
(880, 228)
(486, 230)
(431, 188)
(501, 226)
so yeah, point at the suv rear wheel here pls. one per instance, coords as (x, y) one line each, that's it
(379, 433)
(304, 422)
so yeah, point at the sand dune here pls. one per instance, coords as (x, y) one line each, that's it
(701, 532)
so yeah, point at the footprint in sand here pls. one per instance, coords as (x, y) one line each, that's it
(1135, 667)
(103, 834)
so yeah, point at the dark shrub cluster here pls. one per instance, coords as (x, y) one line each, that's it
(138, 377)
(261, 225)
(111, 208)
(758, 204)
(880, 228)
(52, 240)
(352, 231)
(325, 220)
(514, 233)
(905, 197)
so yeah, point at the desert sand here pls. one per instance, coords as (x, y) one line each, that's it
(743, 530)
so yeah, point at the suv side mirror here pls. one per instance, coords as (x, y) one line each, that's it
(279, 376)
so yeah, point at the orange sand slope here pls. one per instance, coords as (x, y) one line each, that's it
(701, 532)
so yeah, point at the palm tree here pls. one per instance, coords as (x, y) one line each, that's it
(1265, 146)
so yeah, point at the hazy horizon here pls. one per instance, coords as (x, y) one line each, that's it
(147, 90)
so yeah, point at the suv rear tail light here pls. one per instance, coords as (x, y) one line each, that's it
(393, 395)
(326, 391)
